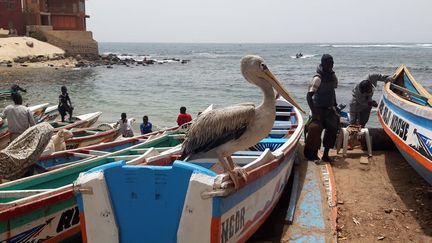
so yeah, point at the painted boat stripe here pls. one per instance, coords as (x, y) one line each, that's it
(410, 151)
(67, 234)
(17, 210)
(421, 121)
(241, 195)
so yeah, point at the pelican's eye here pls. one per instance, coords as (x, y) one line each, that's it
(263, 66)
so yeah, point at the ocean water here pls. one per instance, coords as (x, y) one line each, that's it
(211, 77)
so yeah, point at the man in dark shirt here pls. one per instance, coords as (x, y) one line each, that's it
(146, 126)
(65, 104)
(321, 98)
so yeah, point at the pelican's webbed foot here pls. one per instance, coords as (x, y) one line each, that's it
(235, 172)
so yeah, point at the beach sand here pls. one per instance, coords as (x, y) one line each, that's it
(383, 200)
(13, 47)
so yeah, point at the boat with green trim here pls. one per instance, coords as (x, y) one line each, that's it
(44, 207)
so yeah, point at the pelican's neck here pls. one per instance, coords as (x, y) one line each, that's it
(268, 103)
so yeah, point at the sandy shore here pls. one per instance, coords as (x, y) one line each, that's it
(384, 200)
(42, 53)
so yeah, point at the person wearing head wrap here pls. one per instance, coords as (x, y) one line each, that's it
(362, 102)
(321, 98)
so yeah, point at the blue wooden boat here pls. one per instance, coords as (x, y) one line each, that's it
(192, 201)
(43, 207)
(405, 113)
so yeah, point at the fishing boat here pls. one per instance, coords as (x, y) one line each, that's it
(73, 156)
(5, 94)
(80, 121)
(43, 207)
(50, 114)
(405, 113)
(192, 200)
(89, 136)
(86, 120)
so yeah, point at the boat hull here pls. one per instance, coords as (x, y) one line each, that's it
(410, 135)
(406, 117)
(193, 201)
(53, 214)
(91, 139)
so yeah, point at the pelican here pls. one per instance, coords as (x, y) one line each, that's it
(226, 130)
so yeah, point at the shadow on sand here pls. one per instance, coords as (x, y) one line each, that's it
(412, 189)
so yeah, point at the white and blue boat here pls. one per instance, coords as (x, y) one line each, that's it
(190, 201)
(405, 113)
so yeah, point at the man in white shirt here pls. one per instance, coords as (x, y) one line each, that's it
(19, 117)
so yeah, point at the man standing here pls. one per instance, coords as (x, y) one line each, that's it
(65, 104)
(183, 117)
(19, 117)
(361, 102)
(321, 98)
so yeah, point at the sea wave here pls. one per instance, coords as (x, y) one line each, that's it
(377, 45)
(212, 55)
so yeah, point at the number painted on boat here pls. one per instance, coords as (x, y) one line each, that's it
(232, 225)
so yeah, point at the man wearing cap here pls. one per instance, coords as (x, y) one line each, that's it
(361, 102)
(321, 98)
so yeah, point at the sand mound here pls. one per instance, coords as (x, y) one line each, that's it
(13, 47)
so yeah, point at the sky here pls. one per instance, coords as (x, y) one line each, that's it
(260, 21)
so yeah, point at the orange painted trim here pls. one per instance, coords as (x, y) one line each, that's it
(333, 196)
(215, 230)
(254, 228)
(83, 227)
(67, 234)
(411, 152)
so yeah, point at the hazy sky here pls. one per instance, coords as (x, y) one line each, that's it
(262, 21)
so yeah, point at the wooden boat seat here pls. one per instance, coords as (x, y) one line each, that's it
(270, 143)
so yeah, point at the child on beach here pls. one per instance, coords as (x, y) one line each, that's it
(146, 126)
(65, 104)
(125, 125)
(183, 117)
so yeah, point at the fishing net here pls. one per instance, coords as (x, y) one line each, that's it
(24, 151)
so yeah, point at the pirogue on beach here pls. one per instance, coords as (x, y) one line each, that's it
(405, 113)
(195, 200)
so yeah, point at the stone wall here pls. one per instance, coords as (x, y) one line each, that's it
(73, 42)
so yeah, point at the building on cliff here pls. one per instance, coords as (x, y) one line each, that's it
(59, 22)
(11, 16)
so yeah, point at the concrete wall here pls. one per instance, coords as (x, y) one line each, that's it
(73, 42)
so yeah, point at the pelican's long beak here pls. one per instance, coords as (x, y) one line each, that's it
(280, 89)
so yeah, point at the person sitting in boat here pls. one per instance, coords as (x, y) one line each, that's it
(65, 104)
(361, 102)
(125, 125)
(183, 117)
(146, 126)
(19, 117)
